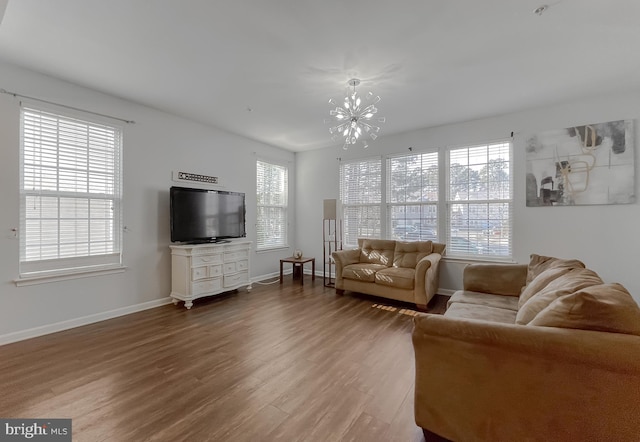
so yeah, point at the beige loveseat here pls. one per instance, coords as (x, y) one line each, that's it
(404, 271)
(531, 353)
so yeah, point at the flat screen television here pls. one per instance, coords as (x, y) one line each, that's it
(201, 215)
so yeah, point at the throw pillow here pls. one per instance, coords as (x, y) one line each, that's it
(540, 282)
(604, 307)
(539, 264)
(570, 282)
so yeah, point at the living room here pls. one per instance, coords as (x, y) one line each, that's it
(159, 143)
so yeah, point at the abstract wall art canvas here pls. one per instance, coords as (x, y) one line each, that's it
(581, 165)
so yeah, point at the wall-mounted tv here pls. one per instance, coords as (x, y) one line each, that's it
(201, 215)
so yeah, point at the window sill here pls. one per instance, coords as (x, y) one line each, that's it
(479, 259)
(46, 277)
(271, 249)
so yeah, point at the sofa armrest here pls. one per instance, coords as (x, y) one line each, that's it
(477, 380)
(498, 279)
(426, 278)
(343, 258)
(346, 257)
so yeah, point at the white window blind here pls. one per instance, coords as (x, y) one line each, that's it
(272, 196)
(361, 196)
(71, 202)
(412, 197)
(480, 200)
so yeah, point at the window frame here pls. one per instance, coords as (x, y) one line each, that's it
(414, 227)
(263, 244)
(355, 209)
(482, 224)
(68, 136)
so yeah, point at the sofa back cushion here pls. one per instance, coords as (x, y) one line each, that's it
(438, 248)
(377, 251)
(603, 307)
(540, 282)
(570, 282)
(539, 263)
(407, 254)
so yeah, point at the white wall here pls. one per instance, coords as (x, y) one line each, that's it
(605, 238)
(157, 144)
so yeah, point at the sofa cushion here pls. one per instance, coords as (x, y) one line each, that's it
(377, 251)
(362, 272)
(540, 282)
(570, 282)
(539, 263)
(396, 277)
(438, 248)
(480, 312)
(604, 307)
(407, 254)
(487, 299)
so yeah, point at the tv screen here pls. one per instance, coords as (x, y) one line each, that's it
(201, 215)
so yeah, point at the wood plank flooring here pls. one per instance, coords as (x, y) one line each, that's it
(279, 363)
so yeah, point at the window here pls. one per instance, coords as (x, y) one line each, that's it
(361, 196)
(412, 196)
(459, 196)
(70, 193)
(479, 200)
(272, 196)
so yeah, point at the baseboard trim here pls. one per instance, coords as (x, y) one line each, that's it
(446, 292)
(257, 279)
(78, 322)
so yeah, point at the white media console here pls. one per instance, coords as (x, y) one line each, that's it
(200, 270)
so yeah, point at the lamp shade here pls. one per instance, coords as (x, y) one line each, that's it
(331, 209)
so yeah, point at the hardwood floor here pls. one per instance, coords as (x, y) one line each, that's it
(279, 363)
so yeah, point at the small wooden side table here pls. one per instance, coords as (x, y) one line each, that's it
(299, 262)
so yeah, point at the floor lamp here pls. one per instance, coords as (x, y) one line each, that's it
(331, 237)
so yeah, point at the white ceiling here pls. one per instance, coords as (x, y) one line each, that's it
(432, 61)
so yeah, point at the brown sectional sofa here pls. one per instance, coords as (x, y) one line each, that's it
(530, 353)
(404, 271)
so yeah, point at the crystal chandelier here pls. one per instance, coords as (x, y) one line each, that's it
(355, 121)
